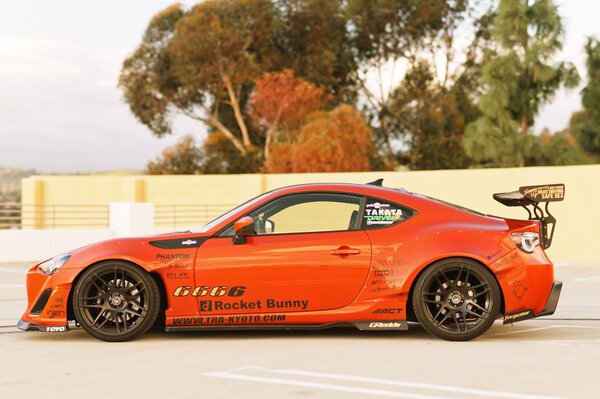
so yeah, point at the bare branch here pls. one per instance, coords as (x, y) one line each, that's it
(237, 111)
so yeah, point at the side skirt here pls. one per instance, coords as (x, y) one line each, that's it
(385, 325)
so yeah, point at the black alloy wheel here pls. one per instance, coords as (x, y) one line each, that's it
(116, 301)
(456, 299)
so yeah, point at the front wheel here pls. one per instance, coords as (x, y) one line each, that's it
(116, 301)
(456, 299)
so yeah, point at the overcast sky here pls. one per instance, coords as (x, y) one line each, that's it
(60, 110)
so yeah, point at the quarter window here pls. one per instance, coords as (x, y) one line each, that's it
(382, 213)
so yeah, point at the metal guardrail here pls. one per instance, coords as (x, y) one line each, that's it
(14, 215)
(175, 216)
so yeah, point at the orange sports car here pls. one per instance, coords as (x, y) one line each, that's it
(310, 257)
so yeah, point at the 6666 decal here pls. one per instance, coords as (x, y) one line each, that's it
(217, 291)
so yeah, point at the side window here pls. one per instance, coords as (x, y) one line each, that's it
(306, 213)
(382, 213)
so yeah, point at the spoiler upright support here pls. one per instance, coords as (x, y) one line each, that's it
(529, 198)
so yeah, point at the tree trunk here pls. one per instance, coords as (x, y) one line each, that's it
(222, 128)
(237, 112)
(268, 140)
(523, 130)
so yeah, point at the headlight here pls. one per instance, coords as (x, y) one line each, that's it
(51, 266)
(526, 241)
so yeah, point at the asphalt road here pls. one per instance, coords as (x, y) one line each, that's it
(551, 357)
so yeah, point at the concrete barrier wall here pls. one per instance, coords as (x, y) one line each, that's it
(578, 230)
(38, 245)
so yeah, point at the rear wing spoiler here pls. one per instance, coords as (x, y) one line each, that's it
(530, 198)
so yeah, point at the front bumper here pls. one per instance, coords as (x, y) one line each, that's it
(26, 326)
(549, 307)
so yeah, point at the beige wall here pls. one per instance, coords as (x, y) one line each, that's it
(577, 235)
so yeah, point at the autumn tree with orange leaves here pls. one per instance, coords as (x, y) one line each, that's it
(282, 101)
(333, 141)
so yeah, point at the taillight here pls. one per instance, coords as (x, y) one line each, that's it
(526, 241)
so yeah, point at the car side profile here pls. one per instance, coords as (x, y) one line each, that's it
(310, 257)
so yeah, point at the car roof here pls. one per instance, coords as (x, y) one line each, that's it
(365, 189)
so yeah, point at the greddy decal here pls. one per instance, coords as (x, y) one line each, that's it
(382, 325)
(385, 325)
(215, 320)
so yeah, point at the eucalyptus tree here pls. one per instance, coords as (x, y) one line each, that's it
(519, 76)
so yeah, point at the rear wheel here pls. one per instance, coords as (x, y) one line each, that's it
(456, 299)
(116, 301)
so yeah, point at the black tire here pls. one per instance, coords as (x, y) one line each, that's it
(456, 299)
(116, 301)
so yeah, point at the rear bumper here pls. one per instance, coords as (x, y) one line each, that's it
(549, 307)
(552, 301)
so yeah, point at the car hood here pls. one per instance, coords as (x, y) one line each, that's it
(140, 250)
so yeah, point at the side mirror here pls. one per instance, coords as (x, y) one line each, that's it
(269, 227)
(243, 228)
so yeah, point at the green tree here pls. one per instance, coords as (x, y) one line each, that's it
(433, 120)
(550, 149)
(316, 44)
(519, 77)
(198, 63)
(585, 124)
(184, 158)
(392, 36)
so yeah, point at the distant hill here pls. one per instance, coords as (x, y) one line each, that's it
(10, 183)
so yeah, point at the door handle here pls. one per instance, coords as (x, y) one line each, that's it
(345, 251)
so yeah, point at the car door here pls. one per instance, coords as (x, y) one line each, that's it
(308, 254)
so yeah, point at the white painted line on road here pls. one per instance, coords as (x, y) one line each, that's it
(595, 279)
(318, 385)
(433, 387)
(12, 270)
(540, 329)
(234, 374)
(580, 343)
(8, 285)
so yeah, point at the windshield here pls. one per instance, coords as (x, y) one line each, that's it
(227, 215)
